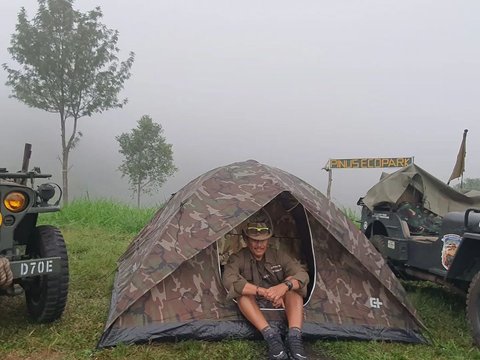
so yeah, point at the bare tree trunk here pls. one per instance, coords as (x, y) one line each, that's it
(64, 160)
(138, 194)
(65, 176)
(66, 147)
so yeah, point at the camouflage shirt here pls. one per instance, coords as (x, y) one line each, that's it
(242, 267)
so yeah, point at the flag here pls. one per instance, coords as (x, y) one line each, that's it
(460, 164)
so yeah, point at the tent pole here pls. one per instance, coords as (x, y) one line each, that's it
(328, 169)
(329, 187)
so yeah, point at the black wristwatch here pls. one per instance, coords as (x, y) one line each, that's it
(289, 284)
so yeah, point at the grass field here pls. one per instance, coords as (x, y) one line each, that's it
(98, 232)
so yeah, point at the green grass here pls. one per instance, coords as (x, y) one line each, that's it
(98, 232)
(103, 214)
(352, 215)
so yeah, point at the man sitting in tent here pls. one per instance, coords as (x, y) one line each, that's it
(258, 276)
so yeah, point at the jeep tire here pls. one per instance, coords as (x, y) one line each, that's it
(473, 308)
(46, 295)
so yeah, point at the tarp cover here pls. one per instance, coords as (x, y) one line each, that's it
(168, 282)
(438, 197)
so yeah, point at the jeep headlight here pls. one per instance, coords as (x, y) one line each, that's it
(15, 201)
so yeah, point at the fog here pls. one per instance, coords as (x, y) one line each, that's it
(289, 84)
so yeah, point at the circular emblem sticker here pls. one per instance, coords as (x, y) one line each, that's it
(450, 246)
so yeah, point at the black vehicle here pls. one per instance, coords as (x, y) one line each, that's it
(448, 254)
(33, 258)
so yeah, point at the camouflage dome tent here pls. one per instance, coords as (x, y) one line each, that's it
(168, 282)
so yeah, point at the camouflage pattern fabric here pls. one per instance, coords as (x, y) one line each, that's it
(419, 219)
(344, 292)
(169, 276)
(412, 214)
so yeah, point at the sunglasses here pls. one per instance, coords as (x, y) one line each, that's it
(256, 231)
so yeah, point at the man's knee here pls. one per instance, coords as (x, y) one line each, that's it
(246, 300)
(293, 295)
(293, 298)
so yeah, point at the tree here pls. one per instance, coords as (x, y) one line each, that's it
(69, 66)
(468, 184)
(148, 158)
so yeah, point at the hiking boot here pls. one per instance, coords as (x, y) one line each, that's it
(276, 349)
(295, 346)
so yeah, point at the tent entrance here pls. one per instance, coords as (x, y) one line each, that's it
(291, 233)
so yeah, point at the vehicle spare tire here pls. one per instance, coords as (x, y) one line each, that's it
(46, 295)
(473, 308)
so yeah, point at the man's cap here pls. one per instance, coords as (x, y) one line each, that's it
(258, 226)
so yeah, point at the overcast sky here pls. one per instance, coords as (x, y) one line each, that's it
(289, 84)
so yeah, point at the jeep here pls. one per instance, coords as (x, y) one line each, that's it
(448, 253)
(33, 258)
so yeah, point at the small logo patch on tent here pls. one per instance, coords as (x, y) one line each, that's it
(375, 303)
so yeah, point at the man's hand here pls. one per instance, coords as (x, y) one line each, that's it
(275, 294)
(279, 304)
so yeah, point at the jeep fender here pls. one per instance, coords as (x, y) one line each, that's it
(374, 228)
(466, 262)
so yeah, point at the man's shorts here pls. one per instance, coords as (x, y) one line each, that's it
(264, 303)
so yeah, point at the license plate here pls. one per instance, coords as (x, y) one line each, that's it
(34, 267)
